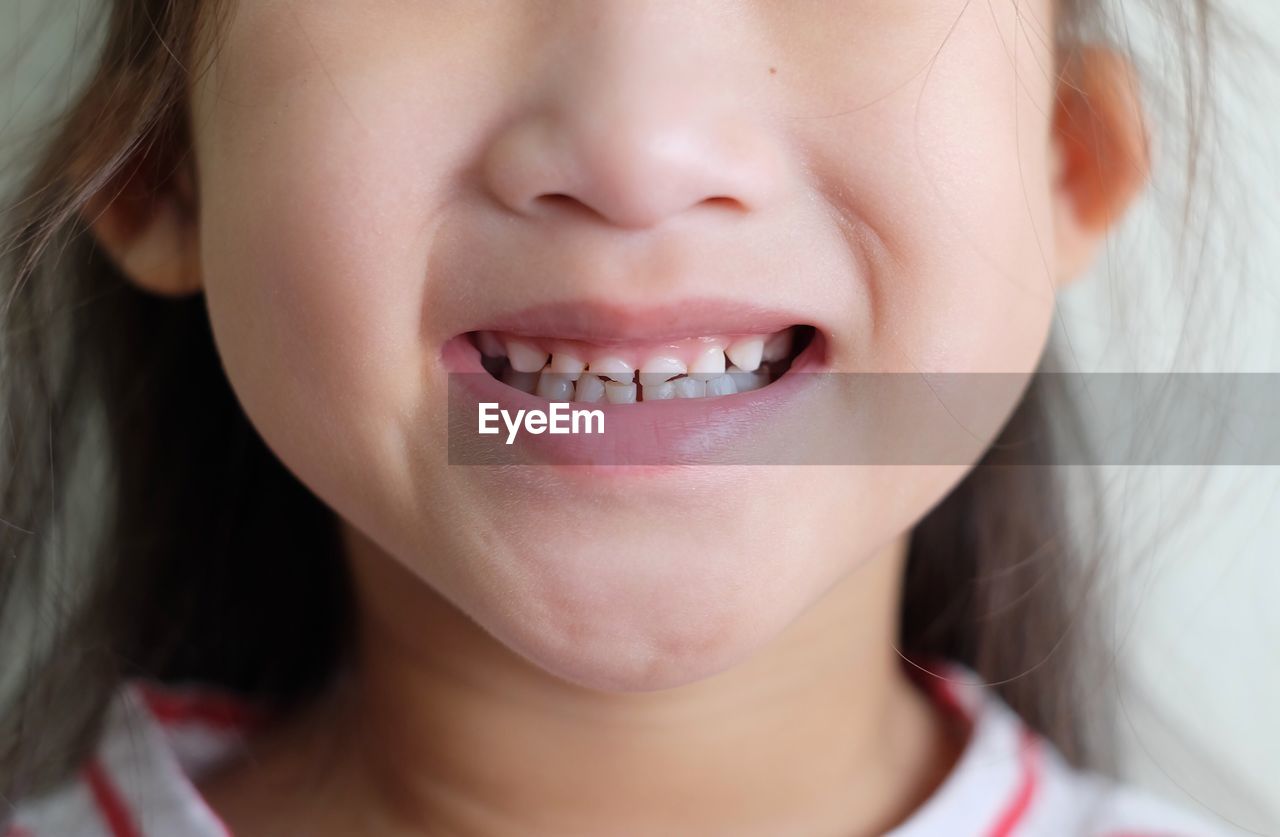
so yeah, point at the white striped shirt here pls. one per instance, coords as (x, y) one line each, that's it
(1008, 782)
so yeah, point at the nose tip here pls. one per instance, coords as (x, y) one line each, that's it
(633, 172)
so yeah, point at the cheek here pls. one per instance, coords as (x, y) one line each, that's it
(325, 151)
(307, 326)
(315, 233)
(947, 188)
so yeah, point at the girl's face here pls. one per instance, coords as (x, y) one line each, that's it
(379, 179)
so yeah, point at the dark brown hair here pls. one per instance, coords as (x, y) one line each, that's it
(146, 529)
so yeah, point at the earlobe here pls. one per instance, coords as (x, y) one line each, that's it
(1101, 153)
(149, 229)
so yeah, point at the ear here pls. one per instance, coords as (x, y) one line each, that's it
(1101, 153)
(145, 220)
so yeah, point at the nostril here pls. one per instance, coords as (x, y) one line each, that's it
(725, 202)
(559, 202)
(568, 204)
(559, 198)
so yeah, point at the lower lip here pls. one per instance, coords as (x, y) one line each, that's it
(645, 435)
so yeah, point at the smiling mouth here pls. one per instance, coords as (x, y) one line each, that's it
(691, 368)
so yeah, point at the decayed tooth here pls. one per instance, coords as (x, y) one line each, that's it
(690, 388)
(525, 356)
(664, 391)
(589, 388)
(746, 381)
(568, 365)
(722, 385)
(524, 381)
(555, 387)
(708, 365)
(746, 353)
(660, 369)
(618, 393)
(610, 366)
(489, 344)
(777, 346)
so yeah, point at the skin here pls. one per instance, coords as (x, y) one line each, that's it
(706, 652)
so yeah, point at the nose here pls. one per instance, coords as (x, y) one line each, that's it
(634, 123)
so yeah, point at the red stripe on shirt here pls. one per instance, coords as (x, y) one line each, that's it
(932, 675)
(1016, 810)
(223, 711)
(110, 804)
(944, 694)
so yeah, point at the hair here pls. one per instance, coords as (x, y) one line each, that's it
(147, 530)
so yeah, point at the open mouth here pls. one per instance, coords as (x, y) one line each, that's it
(691, 368)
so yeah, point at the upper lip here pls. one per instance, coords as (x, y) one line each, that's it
(602, 322)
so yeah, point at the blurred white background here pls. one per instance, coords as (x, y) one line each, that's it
(1196, 569)
(1197, 549)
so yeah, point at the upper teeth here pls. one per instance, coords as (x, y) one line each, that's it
(560, 370)
(776, 347)
(746, 353)
(525, 356)
(707, 365)
(613, 367)
(658, 370)
(568, 365)
(490, 345)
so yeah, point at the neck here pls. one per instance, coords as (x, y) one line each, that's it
(819, 732)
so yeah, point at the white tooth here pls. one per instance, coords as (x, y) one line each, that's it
(490, 345)
(746, 353)
(659, 392)
(708, 365)
(610, 366)
(570, 366)
(777, 346)
(690, 388)
(555, 387)
(660, 369)
(618, 393)
(746, 381)
(526, 381)
(723, 385)
(590, 388)
(525, 356)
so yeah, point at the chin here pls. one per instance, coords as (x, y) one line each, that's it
(645, 613)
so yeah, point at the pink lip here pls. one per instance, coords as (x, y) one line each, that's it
(604, 323)
(659, 433)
